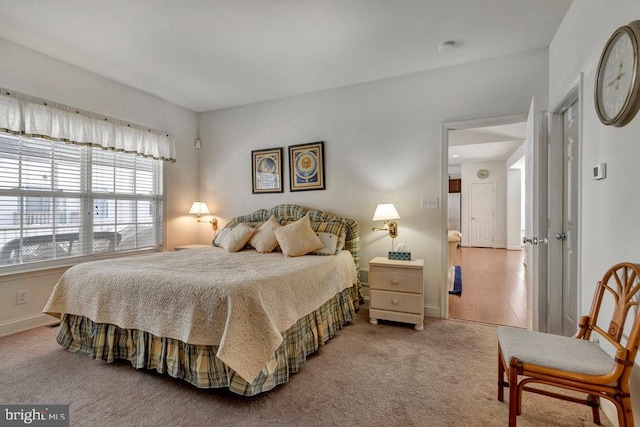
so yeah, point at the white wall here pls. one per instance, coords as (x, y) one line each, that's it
(383, 145)
(498, 177)
(610, 230)
(455, 172)
(32, 73)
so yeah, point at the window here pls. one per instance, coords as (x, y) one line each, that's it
(61, 200)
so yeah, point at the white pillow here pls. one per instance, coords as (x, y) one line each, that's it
(220, 237)
(264, 239)
(298, 238)
(330, 242)
(237, 238)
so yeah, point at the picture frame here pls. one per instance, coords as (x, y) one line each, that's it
(266, 170)
(306, 166)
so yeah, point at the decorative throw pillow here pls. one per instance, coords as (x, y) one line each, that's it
(330, 242)
(297, 238)
(334, 227)
(237, 238)
(264, 239)
(220, 237)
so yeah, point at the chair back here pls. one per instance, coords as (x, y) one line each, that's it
(622, 282)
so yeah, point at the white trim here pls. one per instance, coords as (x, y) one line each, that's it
(554, 304)
(514, 248)
(610, 411)
(25, 323)
(432, 311)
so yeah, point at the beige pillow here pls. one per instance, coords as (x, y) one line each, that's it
(298, 238)
(237, 238)
(264, 239)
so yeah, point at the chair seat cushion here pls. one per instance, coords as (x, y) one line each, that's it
(554, 351)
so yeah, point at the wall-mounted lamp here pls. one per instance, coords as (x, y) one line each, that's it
(201, 208)
(387, 213)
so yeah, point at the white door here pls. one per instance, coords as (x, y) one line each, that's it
(569, 234)
(482, 214)
(535, 221)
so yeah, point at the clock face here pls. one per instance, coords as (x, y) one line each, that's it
(617, 89)
(617, 80)
(483, 174)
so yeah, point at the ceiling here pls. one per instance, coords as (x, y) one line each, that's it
(211, 54)
(485, 144)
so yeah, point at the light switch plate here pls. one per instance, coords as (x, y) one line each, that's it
(429, 203)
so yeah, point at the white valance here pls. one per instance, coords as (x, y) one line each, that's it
(21, 114)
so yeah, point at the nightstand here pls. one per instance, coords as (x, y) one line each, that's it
(396, 291)
(180, 248)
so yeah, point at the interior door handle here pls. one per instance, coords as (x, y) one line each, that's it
(561, 236)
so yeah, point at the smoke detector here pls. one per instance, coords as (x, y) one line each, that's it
(446, 46)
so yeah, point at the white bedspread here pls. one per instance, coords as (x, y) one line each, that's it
(240, 301)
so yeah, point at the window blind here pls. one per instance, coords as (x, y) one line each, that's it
(60, 200)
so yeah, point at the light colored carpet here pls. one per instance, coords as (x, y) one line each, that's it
(368, 375)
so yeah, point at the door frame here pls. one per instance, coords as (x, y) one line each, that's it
(556, 166)
(444, 190)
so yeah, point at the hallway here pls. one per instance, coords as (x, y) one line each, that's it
(493, 287)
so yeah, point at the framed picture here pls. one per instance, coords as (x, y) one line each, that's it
(306, 166)
(267, 170)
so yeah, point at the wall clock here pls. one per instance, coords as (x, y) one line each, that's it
(617, 91)
(483, 174)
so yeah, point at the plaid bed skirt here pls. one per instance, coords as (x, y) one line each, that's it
(198, 364)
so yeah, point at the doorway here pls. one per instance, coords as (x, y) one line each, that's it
(564, 213)
(480, 154)
(502, 300)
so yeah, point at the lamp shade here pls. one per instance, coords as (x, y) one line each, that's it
(199, 208)
(385, 212)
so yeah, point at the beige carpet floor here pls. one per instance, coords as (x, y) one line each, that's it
(384, 375)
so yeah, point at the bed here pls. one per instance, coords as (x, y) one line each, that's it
(239, 320)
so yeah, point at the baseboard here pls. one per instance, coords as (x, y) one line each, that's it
(29, 322)
(432, 311)
(610, 411)
(514, 248)
(498, 246)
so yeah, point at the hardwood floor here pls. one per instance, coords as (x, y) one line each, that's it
(493, 287)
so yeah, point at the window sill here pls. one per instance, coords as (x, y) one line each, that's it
(30, 269)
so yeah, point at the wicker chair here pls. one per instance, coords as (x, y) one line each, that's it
(576, 363)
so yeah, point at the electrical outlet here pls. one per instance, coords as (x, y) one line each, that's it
(429, 203)
(22, 297)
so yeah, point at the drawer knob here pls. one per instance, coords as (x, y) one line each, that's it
(394, 281)
(395, 301)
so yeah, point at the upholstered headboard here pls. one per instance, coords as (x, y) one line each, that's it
(288, 213)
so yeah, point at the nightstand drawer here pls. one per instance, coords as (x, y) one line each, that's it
(396, 301)
(395, 279)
